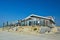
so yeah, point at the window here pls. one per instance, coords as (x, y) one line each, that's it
(37, 22)
(42, 22)
(22, 24)
(30, 23)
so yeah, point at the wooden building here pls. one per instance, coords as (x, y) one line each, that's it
(35, 20)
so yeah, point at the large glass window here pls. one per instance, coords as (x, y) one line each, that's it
(34, 22)
(22, 24)
(37, 22)
(42, 22)
(30, 23)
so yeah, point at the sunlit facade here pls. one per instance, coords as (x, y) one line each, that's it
(35, 20)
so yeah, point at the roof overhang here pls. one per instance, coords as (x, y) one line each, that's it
(39, 17)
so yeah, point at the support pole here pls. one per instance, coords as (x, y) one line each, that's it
(3, 26)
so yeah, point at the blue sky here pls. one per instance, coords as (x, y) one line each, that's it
(11, 10)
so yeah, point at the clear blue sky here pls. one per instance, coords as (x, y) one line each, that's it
(11, 10)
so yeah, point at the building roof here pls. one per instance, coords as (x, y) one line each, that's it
(49, 17)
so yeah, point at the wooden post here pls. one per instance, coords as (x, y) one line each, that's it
(7, 23)
(7, 26)
(24, 23)
(3, 26)
(18, 23)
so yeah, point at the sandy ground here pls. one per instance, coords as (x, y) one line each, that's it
(15, 36)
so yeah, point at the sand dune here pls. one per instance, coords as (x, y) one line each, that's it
(17, 36)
